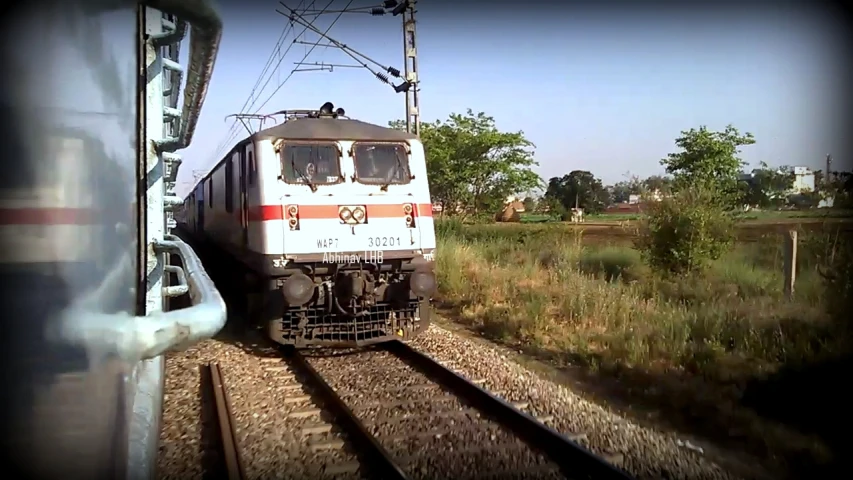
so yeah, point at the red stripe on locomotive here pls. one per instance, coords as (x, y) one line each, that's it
(330, 212)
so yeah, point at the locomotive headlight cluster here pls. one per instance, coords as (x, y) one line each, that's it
(293, 217)
(408, 210)
(352, 215)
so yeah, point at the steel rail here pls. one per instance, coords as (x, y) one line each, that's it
(575, 461)
(225, 419)
(377, 457)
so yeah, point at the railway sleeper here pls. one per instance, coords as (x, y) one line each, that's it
(398, 403)
(345, 394)
(440, 439)
(450, 415)
(508, 446)
(485, 461)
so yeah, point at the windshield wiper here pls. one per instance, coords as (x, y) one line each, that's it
(301, 174)
(393, 174)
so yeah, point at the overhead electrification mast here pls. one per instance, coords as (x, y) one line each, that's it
(410, 54)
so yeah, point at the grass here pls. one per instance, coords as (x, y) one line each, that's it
(714, 352)
(769, 215)
(544, 287)
(697, 348)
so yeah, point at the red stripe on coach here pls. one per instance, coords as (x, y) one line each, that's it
(47, 216)
(328, 212)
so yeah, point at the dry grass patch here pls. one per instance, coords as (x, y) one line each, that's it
(722, 351)
(602, 305)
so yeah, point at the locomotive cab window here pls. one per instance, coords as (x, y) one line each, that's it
(381, 163)
(311, 163)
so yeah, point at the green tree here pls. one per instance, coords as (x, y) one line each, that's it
(839, 187)
(580, 188)
(709, 160)
(621, 191)
(472, 164)
(769, 187)
(657, 183)
(530, 204)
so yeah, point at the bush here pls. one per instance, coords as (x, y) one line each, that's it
(832, 255)
(681, 234)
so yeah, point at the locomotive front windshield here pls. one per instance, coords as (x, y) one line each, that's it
(381, 164)
(311, 164)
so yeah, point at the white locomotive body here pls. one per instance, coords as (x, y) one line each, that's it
(332, 217)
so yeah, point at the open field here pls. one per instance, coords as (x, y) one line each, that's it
(595, 231)
(705, 346)
(797, 216)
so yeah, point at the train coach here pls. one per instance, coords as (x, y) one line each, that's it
(331, 222)
(54, 217)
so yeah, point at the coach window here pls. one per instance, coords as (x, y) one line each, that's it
(229, 184)
(381, 163)
(252, 170)
(311, 163)
(210, 193)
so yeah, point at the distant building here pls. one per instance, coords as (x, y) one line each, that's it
(654, 196)
(803, 180)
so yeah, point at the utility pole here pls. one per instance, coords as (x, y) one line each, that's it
(826, 178)
(410, 54)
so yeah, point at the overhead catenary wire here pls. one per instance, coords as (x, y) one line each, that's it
(276, 48)
(370, 10)
(235, 129)
(297, 17)
(352, 53)
(309, 25)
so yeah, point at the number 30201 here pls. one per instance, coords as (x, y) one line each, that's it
(376, 242)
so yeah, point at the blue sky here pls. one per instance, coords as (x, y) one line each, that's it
(605, 90)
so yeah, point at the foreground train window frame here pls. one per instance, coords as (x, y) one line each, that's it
(289, 176)
(402, 150)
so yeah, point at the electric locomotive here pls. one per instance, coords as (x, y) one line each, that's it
(331, 220)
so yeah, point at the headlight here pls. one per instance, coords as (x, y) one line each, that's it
(345, 214)
(422, 283)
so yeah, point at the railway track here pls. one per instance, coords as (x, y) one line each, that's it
(392, 412)
(229, 443)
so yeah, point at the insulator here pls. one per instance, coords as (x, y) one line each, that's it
(382, 77)
(377, 11)
(400, 8)
(390, 3)
(403, 87)
(394, 72)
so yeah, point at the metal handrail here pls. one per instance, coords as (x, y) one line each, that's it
(133, 338)
(163, 331)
